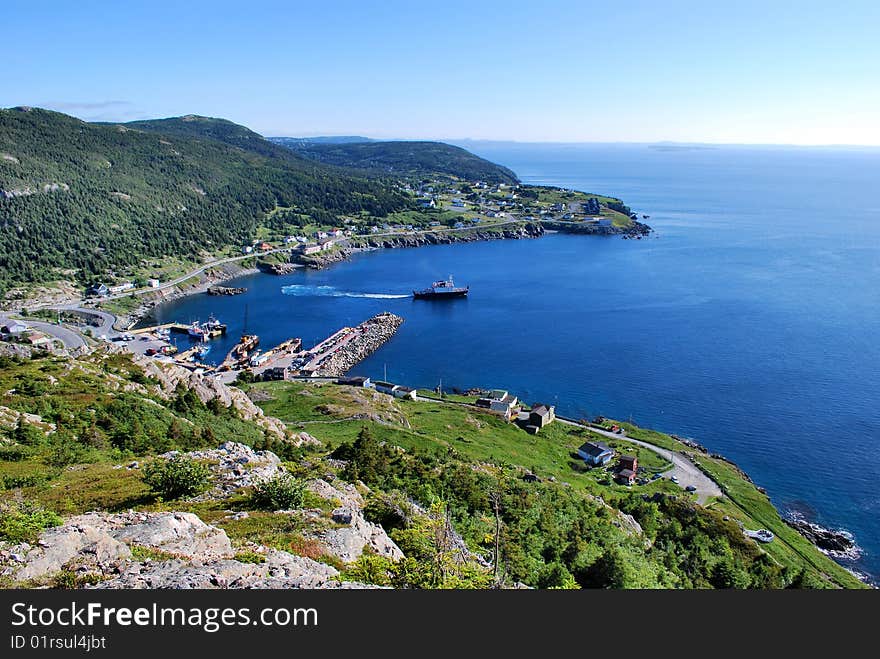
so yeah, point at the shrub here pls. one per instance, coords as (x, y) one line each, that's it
(11, 482)
(23, 522)
(283, 492)
(177, 477)
(247, 556)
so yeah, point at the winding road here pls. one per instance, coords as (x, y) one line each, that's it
(683, 469)
(71, 339)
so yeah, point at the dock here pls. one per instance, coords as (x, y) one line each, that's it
(179, 328)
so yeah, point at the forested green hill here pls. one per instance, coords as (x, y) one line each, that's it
(80, 199)
(403, 159)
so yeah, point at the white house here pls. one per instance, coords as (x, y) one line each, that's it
(247, 249)
(121, 288)
(153, 283)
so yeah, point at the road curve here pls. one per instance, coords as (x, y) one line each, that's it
(682, 468)
(72, 340)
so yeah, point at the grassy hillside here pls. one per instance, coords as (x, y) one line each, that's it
(572, 527)
(417, 159)
(78, 200)
(690, 546)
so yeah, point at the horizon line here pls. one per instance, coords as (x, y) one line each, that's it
(661, 142)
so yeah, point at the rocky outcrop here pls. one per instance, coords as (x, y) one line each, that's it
(352, 533)
(835, 543)
(279, 570)
(96, 541)
(170, 376)
(10, 419)
(182, 534)
(78, 540)
(513, 232)
(368, 337)
(235, 466)
(189, 554)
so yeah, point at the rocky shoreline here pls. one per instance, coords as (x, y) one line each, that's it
(368, 243)
(208, 280)
(837, 543)
(370, 335)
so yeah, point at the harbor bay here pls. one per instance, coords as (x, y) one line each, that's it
(743, 323)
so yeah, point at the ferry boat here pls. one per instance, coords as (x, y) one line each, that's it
(441, 290)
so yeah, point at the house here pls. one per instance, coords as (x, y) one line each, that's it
(595, 453)
(289, 239)
(265, 247)
(311, 249)
(337, 233)
(321, 235)
(153, 283)
(274, 373)
(427, 203)
(458, 225)
(542, 415)
(247, 249)
(14, 327)
(630, 462)
(458, 203)
(375, 229)
(384, 387)
(626, 477)
(99, 290)
(404, 392)
(434, 223)
(355, 382)
(121, 288)
(396, 390)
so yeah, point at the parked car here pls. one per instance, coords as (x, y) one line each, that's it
(674, 479)
(691, 488)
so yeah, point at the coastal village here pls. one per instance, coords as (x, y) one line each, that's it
(451, 210)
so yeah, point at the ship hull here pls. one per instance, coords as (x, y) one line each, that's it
(437, 295)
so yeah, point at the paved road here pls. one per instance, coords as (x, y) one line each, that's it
(682, 468)
(70, 338)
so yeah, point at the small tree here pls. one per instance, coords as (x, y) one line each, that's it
(282, 492)
(177, 477)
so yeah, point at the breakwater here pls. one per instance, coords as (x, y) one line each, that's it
(357, 344)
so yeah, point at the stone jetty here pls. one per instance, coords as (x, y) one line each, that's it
(225, 290)
(363, 341)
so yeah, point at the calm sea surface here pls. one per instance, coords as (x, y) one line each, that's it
(749, 322)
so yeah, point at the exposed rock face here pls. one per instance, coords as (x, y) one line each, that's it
(235, 466)
(207, 388)
(280, 570)
(515, 232)
(10, 420)
(99, 539)
(99, 543)
(59, 546)
(176, 533)
(348, 543)
(354, 533)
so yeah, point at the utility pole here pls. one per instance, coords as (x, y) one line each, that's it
(495, 500)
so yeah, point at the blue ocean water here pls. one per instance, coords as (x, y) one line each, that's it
(750, 321)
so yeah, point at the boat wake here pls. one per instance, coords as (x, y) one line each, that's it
(302, 290)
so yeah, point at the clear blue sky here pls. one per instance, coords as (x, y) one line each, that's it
(743, 72)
